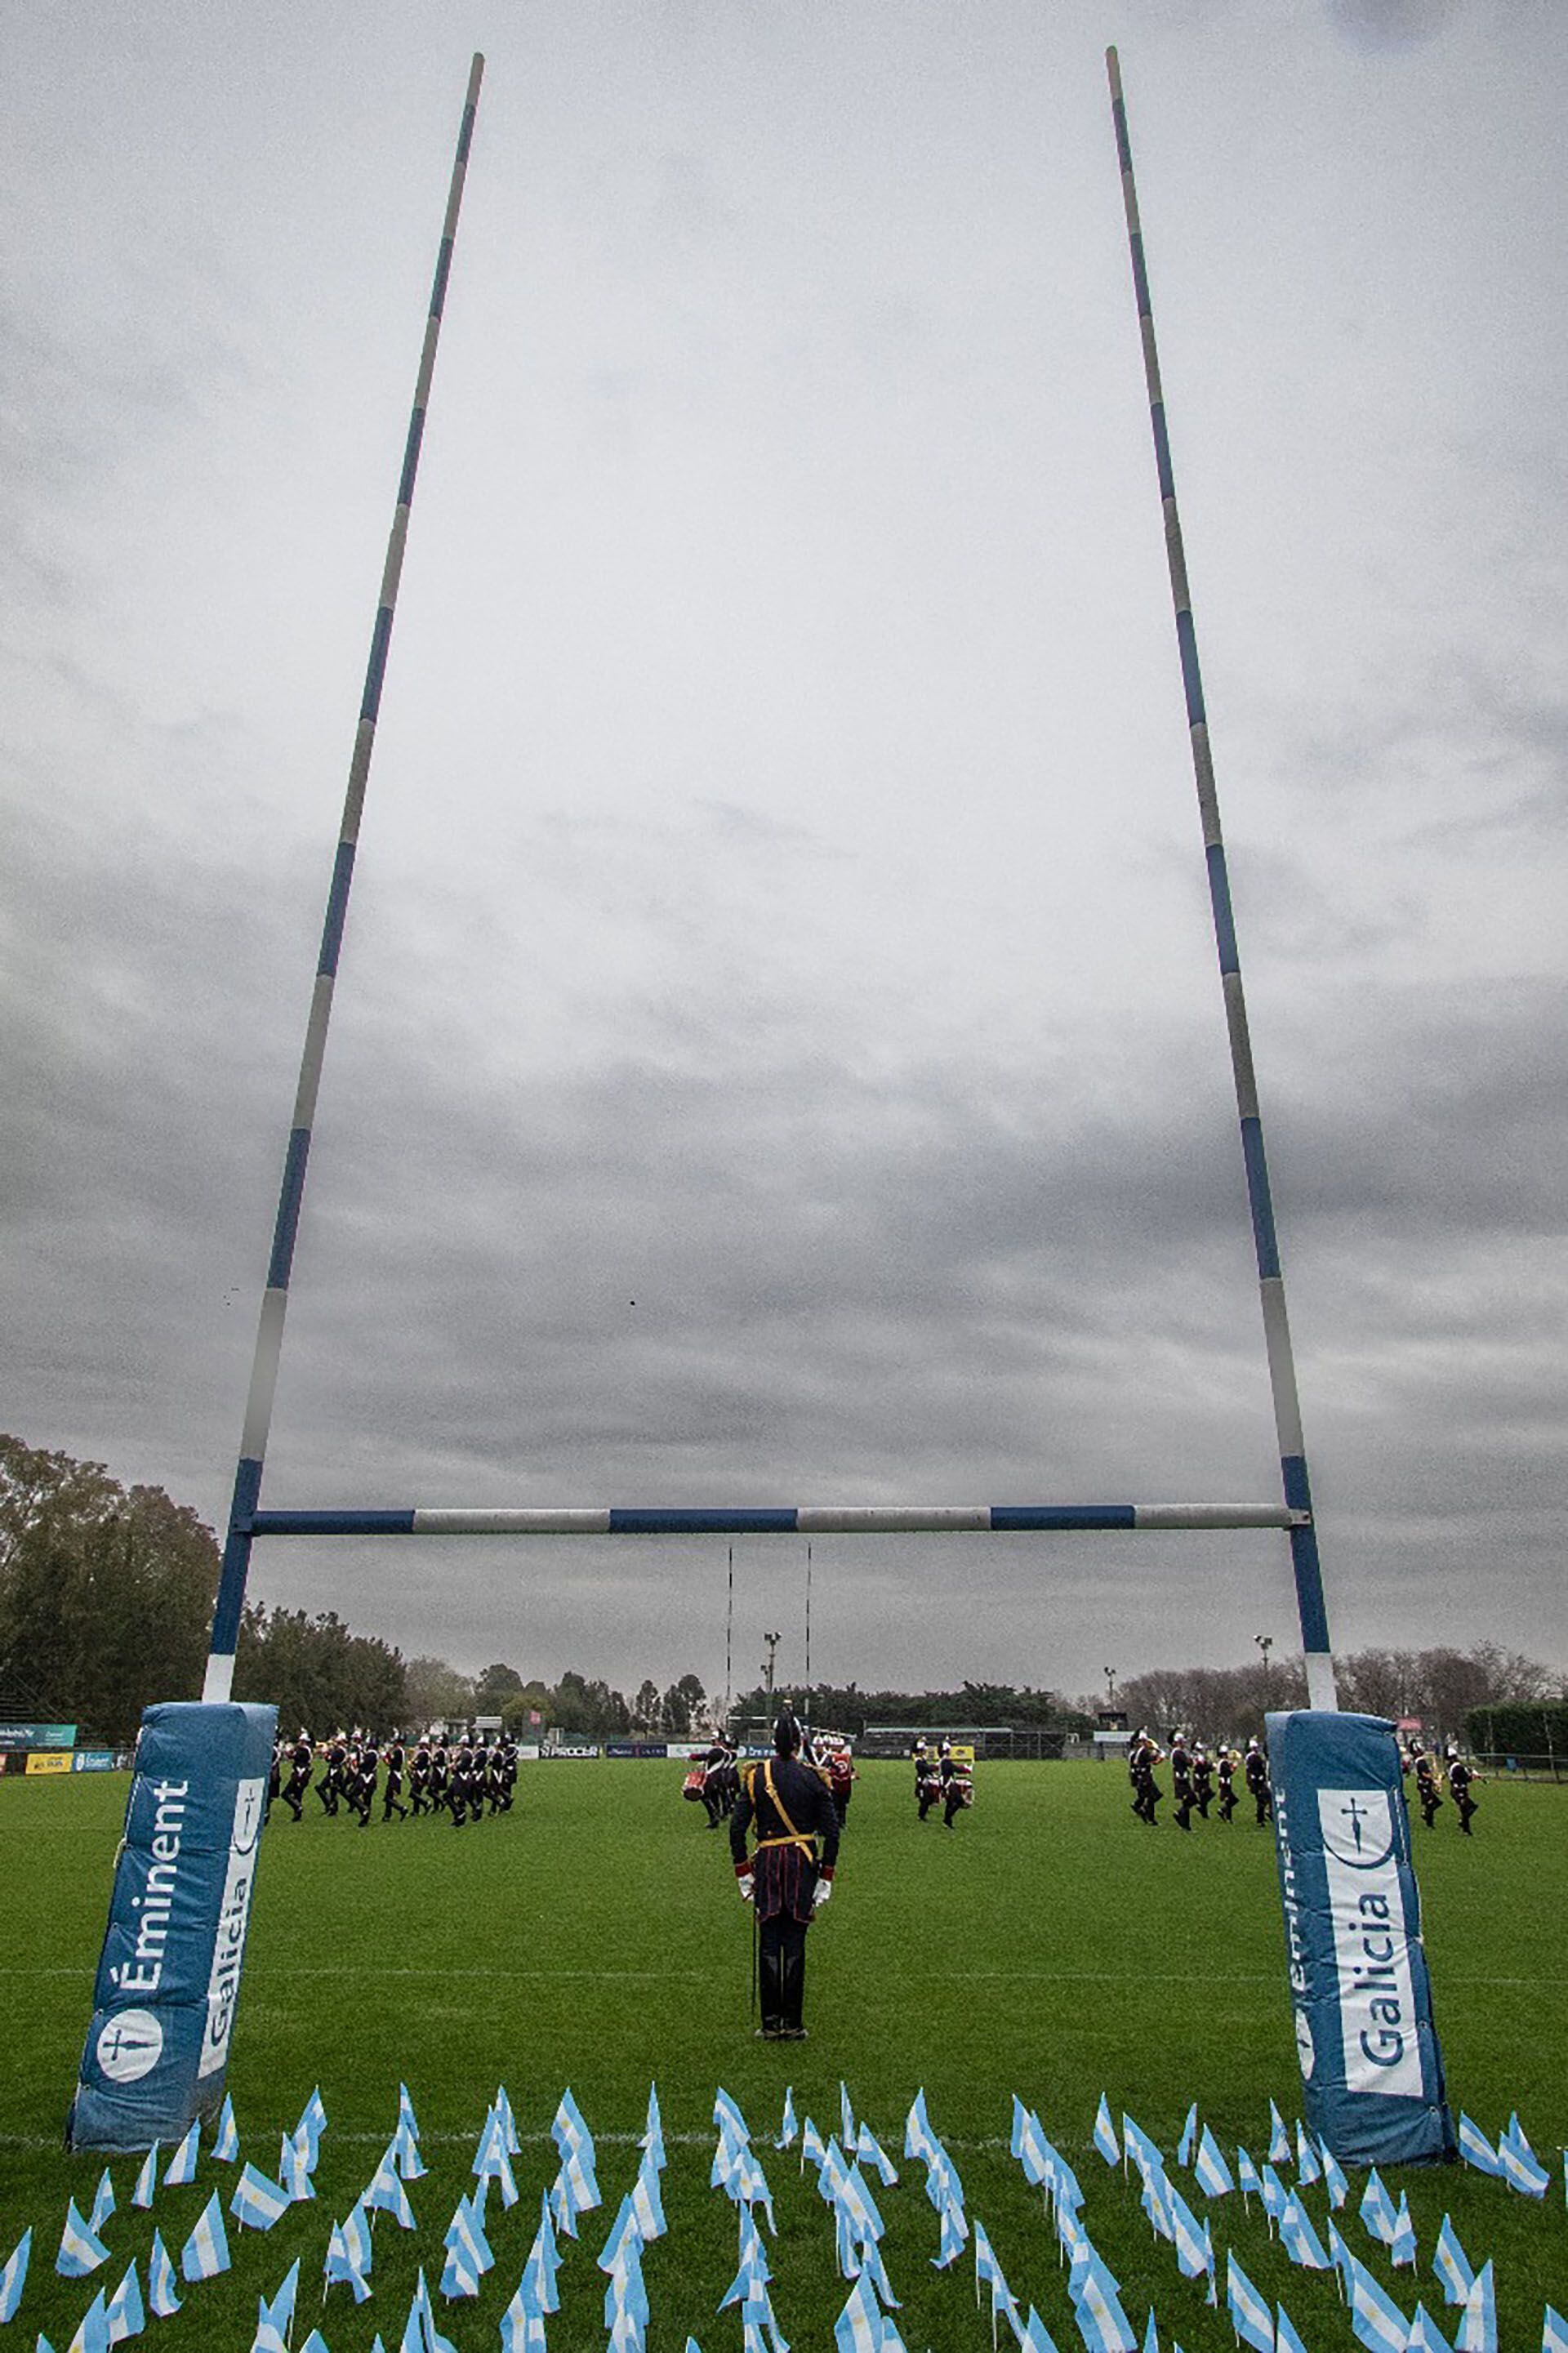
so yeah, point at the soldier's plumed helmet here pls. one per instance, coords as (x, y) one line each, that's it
(786, 1734)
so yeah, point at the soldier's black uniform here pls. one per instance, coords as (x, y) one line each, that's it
(957, 1789)
(928, 1785)
(1182, 1783)
(1226, 1784)
(1426, 1788)
(1258, 1783)
(1203, 1780)
(791, 1811)
(440, 1776)
(1459, 1779)
(419, 1778)
(1142, 1759)
(329, 1787)
(392, 1802)
(506, 1772)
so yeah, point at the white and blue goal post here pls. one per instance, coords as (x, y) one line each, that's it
(1371, 2070)
(168, 1977)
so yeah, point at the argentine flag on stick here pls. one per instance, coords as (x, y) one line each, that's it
(1251, 2315)
(103, 2204)
(258, 2203)
(92, 2336)
(1451, 2266)
(1105, 2139)
(1520, 2168)
(147, 2179)
(1553, 2333)
(181, 2169)
(1210, 2171)
(1189, 2133)
(1279, 2139)
(124, 2312)
(1425, 2337)
(226, 2145)
(81, 2251)
(1477, 2331)
(1476, 2148)
(13, 2278)
(206, 2251)
(1375, 2318)
(163, 2299)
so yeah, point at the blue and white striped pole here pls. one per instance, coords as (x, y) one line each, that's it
(1309, 1601)
(274, 1306)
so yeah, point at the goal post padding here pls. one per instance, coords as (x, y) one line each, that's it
(168, 1975)
(1371, 2070)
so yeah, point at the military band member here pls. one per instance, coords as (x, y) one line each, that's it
(789, 1876)
(329, 1787)
(506, 1772)
(1257, 1770)
(1427, 1788)
(1460, 1777)
(1142, 1759)
(1226, 1764)
(298, 1787)
(1181, 1780)
(440, 1776)
(841, 1776)
(362, 1786)
(1203, 1779)
(958, 1789)
(928, 1784)
(396, 1757)
(419, 1777)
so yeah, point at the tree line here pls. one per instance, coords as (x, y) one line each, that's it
(1441, 1687)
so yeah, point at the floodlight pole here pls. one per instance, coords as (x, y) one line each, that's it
(230, 1603)
(1309, 1602)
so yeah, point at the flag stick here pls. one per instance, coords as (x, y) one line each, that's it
(258, 1420)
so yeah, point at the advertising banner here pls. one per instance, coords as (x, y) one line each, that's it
(637, 1748)
(37, 1736)
(1372, 2071)
(93, 1760)
(49, 1760)
(168, 1978)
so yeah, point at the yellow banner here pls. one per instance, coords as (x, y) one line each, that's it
(963, 1752)
(49, 1760)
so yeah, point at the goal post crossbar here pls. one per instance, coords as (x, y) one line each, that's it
(768, 1520)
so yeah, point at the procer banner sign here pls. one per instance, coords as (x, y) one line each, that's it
(168, 1978)
(1370, 2067)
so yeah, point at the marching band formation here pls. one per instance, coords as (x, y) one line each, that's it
(460, 1777)
(1195, 1773)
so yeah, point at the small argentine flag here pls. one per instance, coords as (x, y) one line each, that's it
(787, 2125)
(1279, 2139)
(1425, 2337)
(163, 2298)
(1401, 2245)
(1476, 2148)
(1334, 2181)
(1251, 2316)
(387, 2194)
(1375, 2318)
(92, 2336)
(1189, 2134)
(13, 2278)
(225, 2144)
(1553, 2333)
(80, 2250)
(125, 2311)
(147, 2179)
(206, 2251)
(258, 2203)
(1377, 2209)
(1307, 2166)
(1105, 2138)
(867, 2146)
(181, 2169)
(1451, 2266)
(1210, 2171)
(103, 2204)
(858, 2327)
(294, 2168)
(1477, 2331)
(1521, 2170)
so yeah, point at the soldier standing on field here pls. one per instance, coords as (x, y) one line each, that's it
(958, 1788)
(440, 1776)
(1257, 1782)
(1203, 1779)
(419, 1775)
(928, 1781)
(789, 1877)
(329, 1787)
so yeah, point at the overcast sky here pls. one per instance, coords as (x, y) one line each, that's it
(779, 1055)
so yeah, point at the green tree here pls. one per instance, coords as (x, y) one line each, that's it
(435, 1692)
(317, 1674)
(494, 1687)
(106, 1594)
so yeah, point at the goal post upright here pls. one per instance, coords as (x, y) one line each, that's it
(1310, 1605)
(230, 1603)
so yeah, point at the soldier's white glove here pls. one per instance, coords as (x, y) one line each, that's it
(820, 1894)
(746, 1887)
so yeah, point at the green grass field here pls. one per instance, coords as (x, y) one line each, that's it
(1049, 1945)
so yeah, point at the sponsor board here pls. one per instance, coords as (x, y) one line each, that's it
(1371, 2070)
(37, 1736)
(169, 1974)
(49, 1760)
(567, 1752)
(637, 1748)
(94, 1760)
